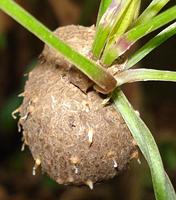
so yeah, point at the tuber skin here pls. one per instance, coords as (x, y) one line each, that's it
(71, 133)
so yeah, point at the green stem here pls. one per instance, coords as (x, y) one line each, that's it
(94, 71)
(151, 45)
(135, 75)
(162, 185)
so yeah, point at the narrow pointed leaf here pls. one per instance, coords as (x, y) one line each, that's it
(129, 38)
(170, 188)
(138, 7)
(135, 75)
(94, 71)
(151, 45)
(151, 11)
(121, 27)
(155, 23)
(107, 24)
(162, 185)
(122, 22)
(103, 7)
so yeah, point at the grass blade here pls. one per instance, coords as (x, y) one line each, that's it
(137, 11)
(155, 23)
(170, 188)
(103, 7)
(162, 185)
(151, 45)
(123, 43)
(135, 75)
(106, 25)
(151, 11)
(121, 26)
(94, 71)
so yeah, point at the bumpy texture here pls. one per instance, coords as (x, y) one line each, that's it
(77, 139)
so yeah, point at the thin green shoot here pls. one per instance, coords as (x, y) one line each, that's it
(151, 45)
(103, 7)
(135, 75)
(147, 145)
(121, 26)
(151, 11)
(107, 24)
(123, 43)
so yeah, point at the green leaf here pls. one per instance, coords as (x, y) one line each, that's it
(123, 43)
(135, 75)
(151, 11)
(105, 26)
(170, 189)
(151, 45)
(155, 23)
(137, 11)
(94, 71)
(108, 25)
(103, 7)
(162, 185)
(120, 28)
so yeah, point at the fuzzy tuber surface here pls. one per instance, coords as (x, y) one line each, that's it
(77, 139)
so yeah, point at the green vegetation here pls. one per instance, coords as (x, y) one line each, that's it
(117, 29)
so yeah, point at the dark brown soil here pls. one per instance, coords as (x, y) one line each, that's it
(77, 138)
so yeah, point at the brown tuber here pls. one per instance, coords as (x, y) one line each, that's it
(73, 136)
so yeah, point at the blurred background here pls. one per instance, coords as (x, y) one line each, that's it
(156, 102)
